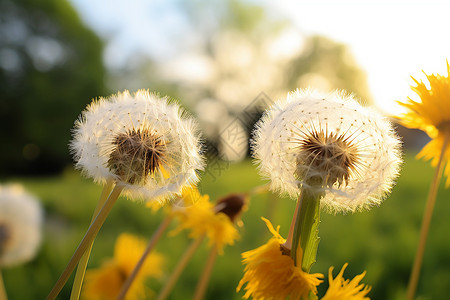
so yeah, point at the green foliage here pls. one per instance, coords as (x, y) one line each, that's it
(381, 241)
(50, 68)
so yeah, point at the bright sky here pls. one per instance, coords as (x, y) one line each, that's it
(391, 39)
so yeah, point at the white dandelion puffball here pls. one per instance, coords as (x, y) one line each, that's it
(329, 143)
(146, 143)
(20, 225)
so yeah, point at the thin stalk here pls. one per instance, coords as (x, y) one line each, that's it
(288, 243)
(306, 231)
(85, 242)
(155, 238)
(414, 278)
(206, 275)
(3, 295)
(179, 268)
(81, 270)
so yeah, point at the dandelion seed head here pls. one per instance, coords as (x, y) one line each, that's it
(325, 158)
(329, 143)
(5, 237)
(20, 225)
(145, 142)
(137, 154)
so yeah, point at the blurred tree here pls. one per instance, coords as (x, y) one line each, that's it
(330, 65)
(50, 68)
(247, 57)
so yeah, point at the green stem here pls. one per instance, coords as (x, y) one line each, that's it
(414, 278)
(3, 295)
(155, 238)
(85, 242)
(179, 268)
(306, 230)
(81, 270)
(289, 239)
(203, 282)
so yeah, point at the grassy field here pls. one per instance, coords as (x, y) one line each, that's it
(381, 241)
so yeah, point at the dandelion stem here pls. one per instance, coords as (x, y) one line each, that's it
(203, 282)
(288, 243)
(155, 238)
(81, 270)
(3, 295)
(179, 268)
(431, 200)
(85, 242)
(306, 231)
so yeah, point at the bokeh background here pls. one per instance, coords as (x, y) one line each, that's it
(225, 61)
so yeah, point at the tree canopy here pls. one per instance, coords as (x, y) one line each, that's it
(50, 67)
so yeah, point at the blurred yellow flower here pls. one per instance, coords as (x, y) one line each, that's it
(154, 205)
(106, 281)
(203, 218)
(431, 115)
(341, 289)
(270, 272)
(189, 196)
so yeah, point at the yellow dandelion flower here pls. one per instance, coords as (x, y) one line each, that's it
(341, 289)
(213, 221)
(106, 281)
(431, 115)
(189, 196)
(270, 272)
(154, 205)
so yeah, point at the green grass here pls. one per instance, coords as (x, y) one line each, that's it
(381, 241)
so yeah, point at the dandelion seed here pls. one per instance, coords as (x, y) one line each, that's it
(270, 272)
(144, 142)
(340, 288)
(329, 145)
(20, 225)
